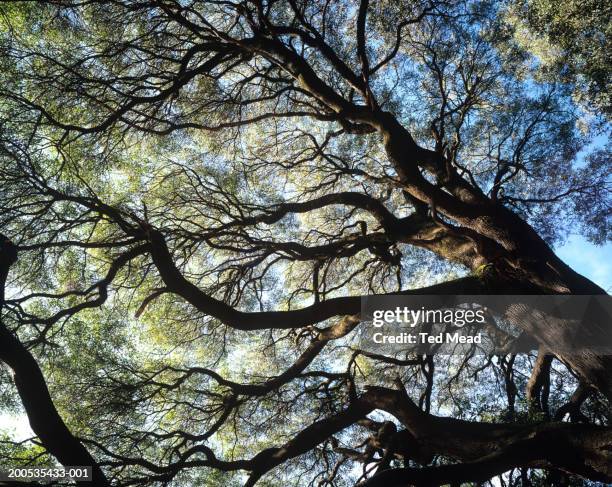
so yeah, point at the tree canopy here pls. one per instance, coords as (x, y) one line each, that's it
(195, 195)
(572, 42)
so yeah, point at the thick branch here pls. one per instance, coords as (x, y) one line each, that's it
(349, 305)
(42, 414)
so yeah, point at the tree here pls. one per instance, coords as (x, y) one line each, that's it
(195, 196)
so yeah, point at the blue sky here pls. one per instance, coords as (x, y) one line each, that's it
(594, 262)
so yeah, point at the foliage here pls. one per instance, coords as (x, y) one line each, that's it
(572, 42)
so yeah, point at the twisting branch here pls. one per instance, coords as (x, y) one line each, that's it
(32, 388)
